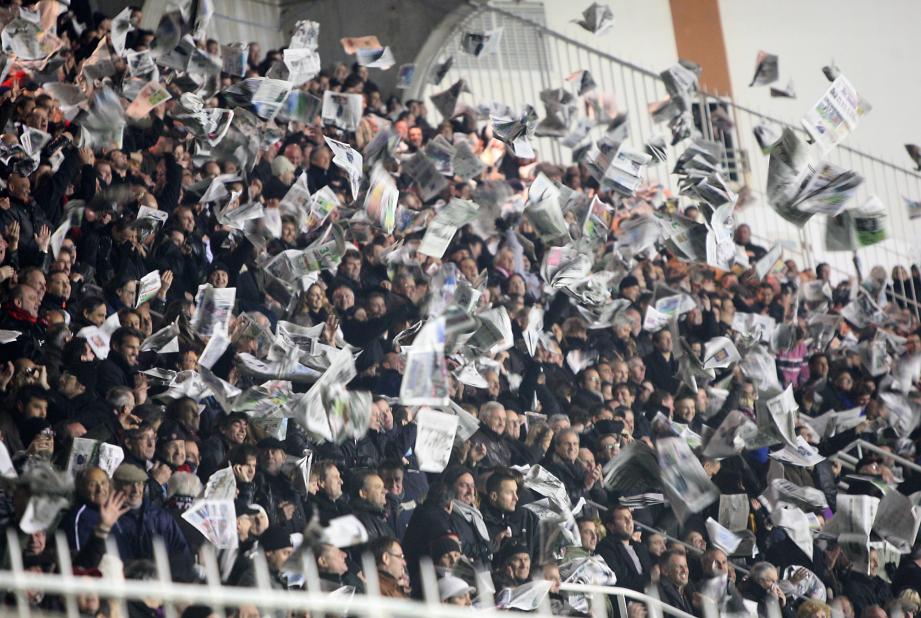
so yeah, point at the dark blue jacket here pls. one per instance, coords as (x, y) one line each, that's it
(135, 531)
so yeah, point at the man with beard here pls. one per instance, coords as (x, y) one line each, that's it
(57, 294)
(466, 518)
(120, 366)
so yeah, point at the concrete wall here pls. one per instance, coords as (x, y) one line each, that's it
(642, 32)
(401, 25)
(234, 20)
(874, 44)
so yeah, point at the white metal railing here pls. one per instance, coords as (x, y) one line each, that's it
(653, 604)
(556, 55)
(212, 593)
(863, 445)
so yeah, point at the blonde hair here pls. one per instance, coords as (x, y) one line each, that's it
(811, 607)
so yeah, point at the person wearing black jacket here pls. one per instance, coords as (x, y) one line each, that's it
(360, 453)
(274, 491)
(170, 255)
(318, 174)
(232, 431)
(120, 366)
(866, 589)
(628, 558)
(503, 517)
(20, 313)
(563, 463)
(493, 446)
(715, 584)
(428, 523)
(908, 574)
(125, 258)
(661, 366)
(333, 567)
(168, 188)
(329, 501)
(193, 249)
(368, 506)
(761, 587)
(16, 217)
(108, 418)
(474, 537)
(674, 581)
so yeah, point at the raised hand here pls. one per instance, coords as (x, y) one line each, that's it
(12, 235)
(165, 282)
(43, 238)
(113, 508)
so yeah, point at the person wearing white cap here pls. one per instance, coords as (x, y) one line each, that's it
(454, 591)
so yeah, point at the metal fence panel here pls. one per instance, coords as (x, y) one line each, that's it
(555, 56)
(20, 583)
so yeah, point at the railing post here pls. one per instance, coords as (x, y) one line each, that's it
(622, 604)
(213, 578)
(599, 609)
(15, 549)
(161, 557)
(66, 568)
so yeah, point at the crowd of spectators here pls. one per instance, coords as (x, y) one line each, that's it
(535, 408)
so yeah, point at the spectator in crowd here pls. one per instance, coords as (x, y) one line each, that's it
(233, 325)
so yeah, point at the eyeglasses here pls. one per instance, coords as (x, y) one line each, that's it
(400, 556)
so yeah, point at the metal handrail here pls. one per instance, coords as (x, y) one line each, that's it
(884, 178)
(231, 596)
(213, 593)
(648, 73)
(864, 445)
(563, 37)
(626, 593)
